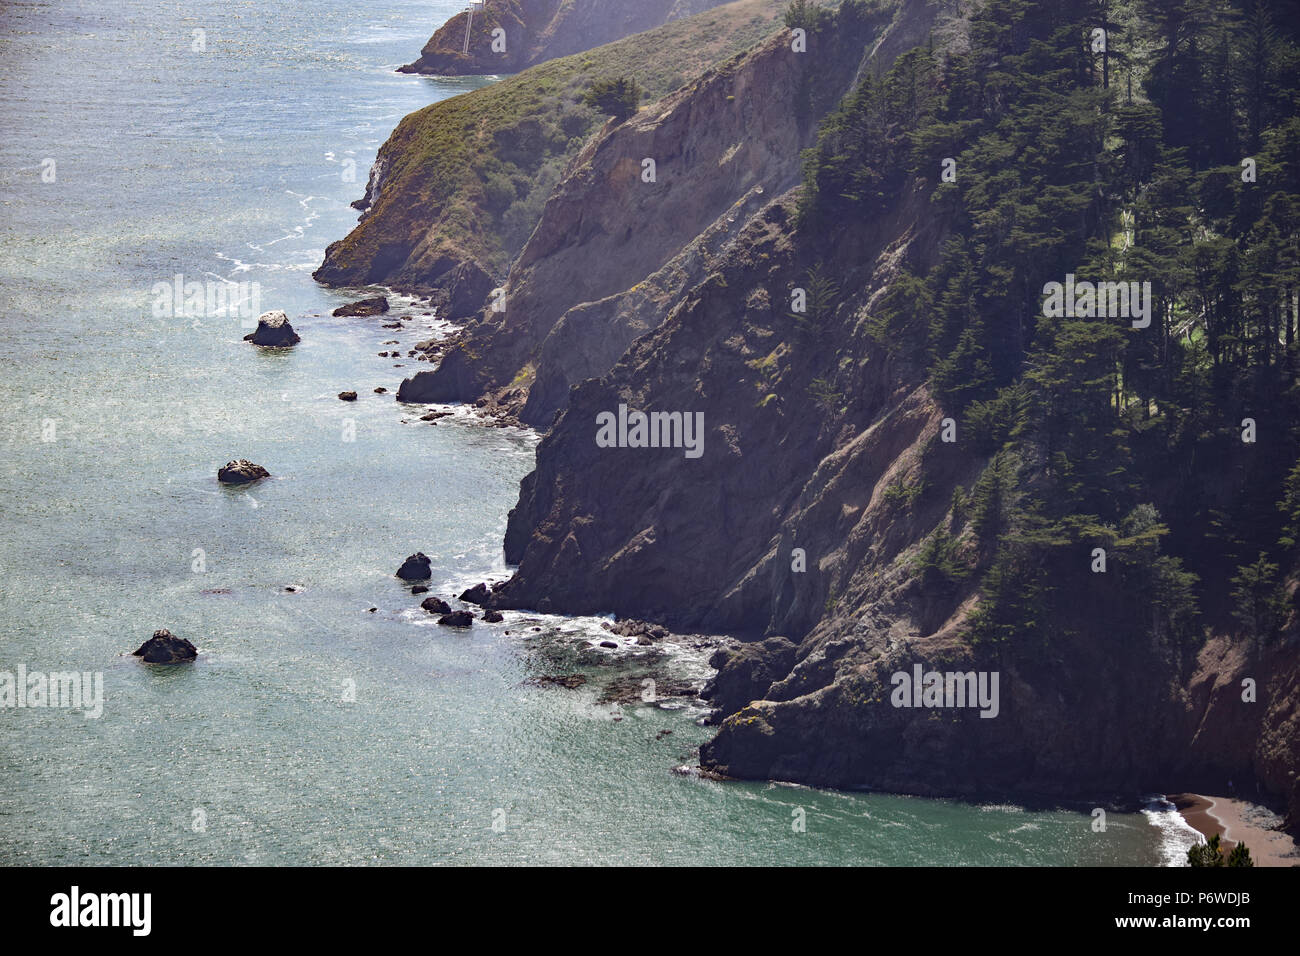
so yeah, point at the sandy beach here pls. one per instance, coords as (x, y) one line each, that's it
(1237, 821)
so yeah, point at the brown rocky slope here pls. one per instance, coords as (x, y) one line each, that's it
(720, 147)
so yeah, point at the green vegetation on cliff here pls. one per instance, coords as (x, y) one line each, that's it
(1179, 168)
(464, 180)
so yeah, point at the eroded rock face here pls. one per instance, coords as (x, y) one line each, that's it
(377, 305)
(746, 672)
(241, 471)
(417, 567)
(273, 332)
(166, 648)
(723, 146)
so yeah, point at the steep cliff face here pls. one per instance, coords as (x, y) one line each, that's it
(807, 516)
(458, 188)
(651, 200)
(703, 542)
(540, 30)
(801, 521)
(1113, 713)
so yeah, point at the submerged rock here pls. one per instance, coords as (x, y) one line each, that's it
(571, 681)
(376, 305)
(632, 689)
(166, 648)
(273, 332)
(436, 605)
(417, 567)
(457, 619)
(241, 471)
(644, 632)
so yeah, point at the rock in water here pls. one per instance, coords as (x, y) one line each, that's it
(478, 594)
(493, 617)
(417, 567)
(273, 332)
(347, 396)
(166, 648)
(435, 605)
(241, 472)
(377, 305)
(457, 619)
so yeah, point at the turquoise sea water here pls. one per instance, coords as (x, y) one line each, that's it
(236, 162)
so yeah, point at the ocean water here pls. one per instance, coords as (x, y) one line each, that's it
(311, 730)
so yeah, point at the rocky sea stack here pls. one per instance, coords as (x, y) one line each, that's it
(166, 648)
(417, 567)
(241, 471)
(273, 332)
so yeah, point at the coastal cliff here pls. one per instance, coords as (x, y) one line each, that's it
(905, 459)
(458, 188)
(534, 31)
(719, 147)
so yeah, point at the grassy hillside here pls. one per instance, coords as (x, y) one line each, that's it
(464, 180)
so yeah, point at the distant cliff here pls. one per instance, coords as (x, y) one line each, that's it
(539, 30)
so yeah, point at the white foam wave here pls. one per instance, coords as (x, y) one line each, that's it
(1177, 836)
